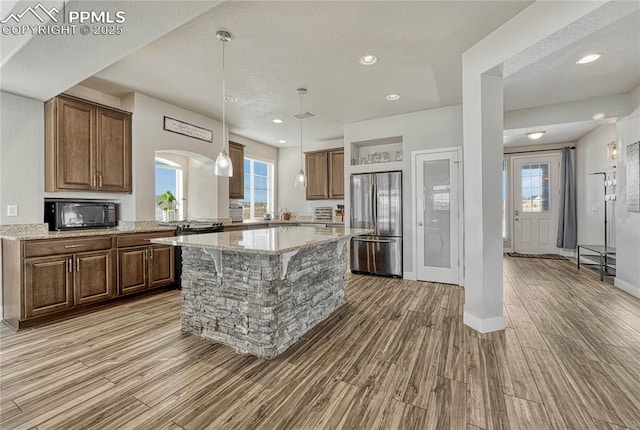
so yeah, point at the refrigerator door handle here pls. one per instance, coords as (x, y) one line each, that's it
(373, 240)
(374, 199)
(372, 202)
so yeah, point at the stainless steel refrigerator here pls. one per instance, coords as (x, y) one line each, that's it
(376, 202)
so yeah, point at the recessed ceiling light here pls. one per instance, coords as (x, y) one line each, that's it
(589, 58)
(282, 141)
(393, 97)
(230, 99)
(535, 135)
(598, 115)
(277, 121)
(367, 60)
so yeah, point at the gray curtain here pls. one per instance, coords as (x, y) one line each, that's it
(567, 230)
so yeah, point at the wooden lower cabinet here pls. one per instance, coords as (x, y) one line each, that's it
(46, 279)
(94, 277)
(142, 267)
(132, 269)
(162, 269)
(48, 285)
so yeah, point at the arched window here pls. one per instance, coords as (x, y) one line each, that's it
(169, 178)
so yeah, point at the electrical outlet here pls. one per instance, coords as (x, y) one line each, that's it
(12, 210)
(596, 208)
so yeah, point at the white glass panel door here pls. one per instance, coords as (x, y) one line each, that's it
(437, 217)
(535, 198)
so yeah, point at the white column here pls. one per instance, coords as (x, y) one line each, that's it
(482, 160)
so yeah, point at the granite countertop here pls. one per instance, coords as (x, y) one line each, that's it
(41, 231)
(267, 240)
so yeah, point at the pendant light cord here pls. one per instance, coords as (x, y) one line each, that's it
(224, 94)
(300, 131)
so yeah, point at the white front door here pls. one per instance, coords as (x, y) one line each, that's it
(437, 215)
(536, 189)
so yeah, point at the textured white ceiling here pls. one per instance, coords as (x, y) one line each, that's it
(280, 46)
(45, 66)
(554, 133)
(547, 72)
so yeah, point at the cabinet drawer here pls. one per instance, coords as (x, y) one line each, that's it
(41, 248)
(138, 239)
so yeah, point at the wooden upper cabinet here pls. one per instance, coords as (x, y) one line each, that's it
(114, 150)
(236, 182)
(87, 146)
(336, 174)
(325, 174)
(317, 174)
(75, 152)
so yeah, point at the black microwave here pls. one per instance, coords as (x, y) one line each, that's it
(79, 214)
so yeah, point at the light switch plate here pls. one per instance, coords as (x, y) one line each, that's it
(12, 210)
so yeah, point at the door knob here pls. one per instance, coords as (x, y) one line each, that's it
(420, 224)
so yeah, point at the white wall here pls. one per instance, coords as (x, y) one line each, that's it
(21, 159)
(627, 223)
(149, 136)
(591, 156)
(431, 129)
(290, 197)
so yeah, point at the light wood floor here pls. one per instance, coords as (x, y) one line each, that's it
(396, 357)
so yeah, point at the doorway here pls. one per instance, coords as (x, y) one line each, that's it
(437, 215)
(536, 193)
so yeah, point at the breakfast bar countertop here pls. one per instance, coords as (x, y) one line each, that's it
(268, 240)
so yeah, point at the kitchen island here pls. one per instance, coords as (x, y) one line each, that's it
(259, 291)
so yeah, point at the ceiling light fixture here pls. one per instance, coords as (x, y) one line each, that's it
(589, 58)
(223, 166)
(367, 60)
(393, 97)
(599, 115)
(301, 178)
(230, 99)
(282, 141)
(277, 121)
(535, 135)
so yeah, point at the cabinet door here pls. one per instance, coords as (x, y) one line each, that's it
(94, 276)
(75, 150)
(317, 184)
(336, 174)
(47, 285)
(113, 145)
(236, 182)
(161, 265)
(133, 270)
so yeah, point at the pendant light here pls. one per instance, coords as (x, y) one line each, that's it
(301, 178)
(223, 166)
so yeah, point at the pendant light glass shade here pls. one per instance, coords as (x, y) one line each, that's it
(223, 166)
(301, 178)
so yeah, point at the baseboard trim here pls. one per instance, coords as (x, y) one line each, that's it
(484, 325)
(409, 275)
(627, 287)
